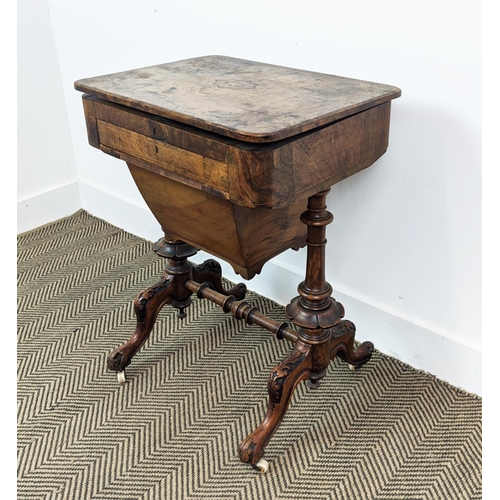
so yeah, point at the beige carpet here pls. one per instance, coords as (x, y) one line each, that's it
(198, 387)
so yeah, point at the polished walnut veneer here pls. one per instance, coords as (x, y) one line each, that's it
(236, 158)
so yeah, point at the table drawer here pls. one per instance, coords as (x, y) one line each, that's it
(163, 155)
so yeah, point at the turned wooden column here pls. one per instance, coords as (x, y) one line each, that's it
(314, 311)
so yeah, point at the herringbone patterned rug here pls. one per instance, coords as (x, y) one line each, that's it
(198, 387)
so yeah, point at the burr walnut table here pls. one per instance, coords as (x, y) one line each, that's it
(236, 158)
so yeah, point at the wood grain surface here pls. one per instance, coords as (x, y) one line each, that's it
(245, 100)
(245, 237)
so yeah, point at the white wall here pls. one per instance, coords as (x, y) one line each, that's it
(404, 250)
(47, 182)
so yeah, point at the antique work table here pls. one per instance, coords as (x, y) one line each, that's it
(236, 158)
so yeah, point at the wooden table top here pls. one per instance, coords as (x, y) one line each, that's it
(245, 100)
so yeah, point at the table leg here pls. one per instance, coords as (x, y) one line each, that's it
(342, 345)
(171, 289)
(281, 384)
(147, 305)
(321, 336)
(210, 272)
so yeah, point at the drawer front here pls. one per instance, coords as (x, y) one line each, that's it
(165, 156)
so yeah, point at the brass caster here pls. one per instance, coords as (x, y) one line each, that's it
(262, 465)
(121, 377)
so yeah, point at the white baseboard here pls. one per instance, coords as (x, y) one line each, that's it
(121, 213)
(444, 357)
(47, 207)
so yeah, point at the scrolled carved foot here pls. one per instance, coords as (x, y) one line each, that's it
(343, 345)
(210, 272)
(147, 305)
(249, 451)
(116, 360)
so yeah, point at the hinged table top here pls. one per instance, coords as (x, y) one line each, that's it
(245, 100)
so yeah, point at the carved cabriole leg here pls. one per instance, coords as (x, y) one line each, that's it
(342, 345)
(210, 272)
(170, 289)
(281, 384)
(146, 307)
